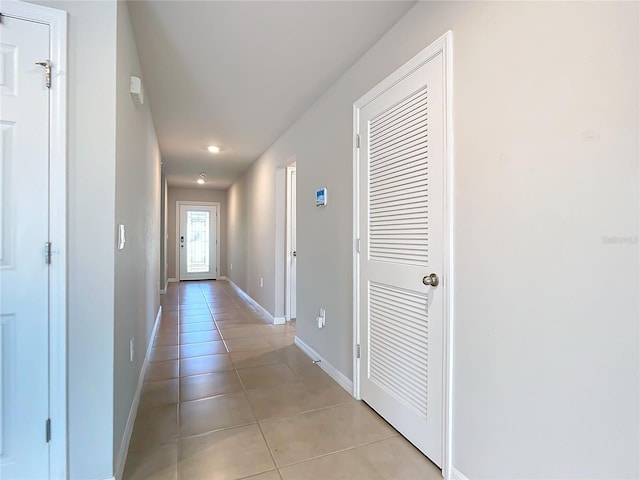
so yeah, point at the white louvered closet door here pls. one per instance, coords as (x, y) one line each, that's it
(401, 177)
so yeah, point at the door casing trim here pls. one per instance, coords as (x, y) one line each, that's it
(198, 204)
(289, 241)
(57, 22)
(443, 45)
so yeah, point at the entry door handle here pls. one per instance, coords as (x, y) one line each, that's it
(431, 280)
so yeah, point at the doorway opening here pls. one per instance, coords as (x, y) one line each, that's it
(285, 243)
(291, 253)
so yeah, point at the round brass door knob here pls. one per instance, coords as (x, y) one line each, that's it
(431, 280)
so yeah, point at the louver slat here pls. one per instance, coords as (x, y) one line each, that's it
(398, 183)
(402, 173)
(400, 188)
(412, 103)
(397, 162)
(398, 354)
(401, 136)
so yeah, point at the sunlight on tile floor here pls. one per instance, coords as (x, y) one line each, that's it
(228, 396)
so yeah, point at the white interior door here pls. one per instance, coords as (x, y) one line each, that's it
(24, 229)
(401, 180)
(292, 243)
(197, 242)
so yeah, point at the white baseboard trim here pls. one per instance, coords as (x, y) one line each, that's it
(172, 280)
(252, 301)
(126, 438)
(279, 320)
(330, 370)
(456, 475)
(222, 277)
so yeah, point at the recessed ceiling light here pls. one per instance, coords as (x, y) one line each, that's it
(213, 148)
(200, 180)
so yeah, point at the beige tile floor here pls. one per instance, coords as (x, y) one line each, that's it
(228, 396)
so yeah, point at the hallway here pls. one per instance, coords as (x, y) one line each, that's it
(228, 396)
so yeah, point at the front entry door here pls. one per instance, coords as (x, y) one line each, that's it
(401, 228)
(197, 240)
(24, 231)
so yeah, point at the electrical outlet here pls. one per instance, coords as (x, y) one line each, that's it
(131, 350)
(261, 282)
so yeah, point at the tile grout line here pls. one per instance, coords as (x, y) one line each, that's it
(244, 392)
(178, 407)
(264, 438)
(177, 440)
(396, 434)
(179, 404)
(341, 450)
(304, 412)
(223, 429)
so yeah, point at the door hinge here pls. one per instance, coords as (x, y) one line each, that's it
(47, 66)
(358, 351)
(47, 253)
(48, 430)
(357, 245)
(357, 140)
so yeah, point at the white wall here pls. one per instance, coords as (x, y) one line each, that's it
(237, 227)
(252, 224)
(137, 201)
(195, 195)
(545, 354)
(546, 340)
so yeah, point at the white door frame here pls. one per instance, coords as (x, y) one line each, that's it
(441, 45)
(288, 245)
(57, 22)
(216, 205)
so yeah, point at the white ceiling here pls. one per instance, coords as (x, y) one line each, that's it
(238, 74)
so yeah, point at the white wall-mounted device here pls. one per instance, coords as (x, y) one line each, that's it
(321, 197)
(121, 239)
(137, 91)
